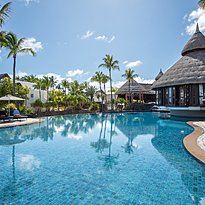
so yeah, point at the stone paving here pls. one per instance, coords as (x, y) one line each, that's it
(13, 123)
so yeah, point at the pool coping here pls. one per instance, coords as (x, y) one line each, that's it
(190, 142)
(23, 122)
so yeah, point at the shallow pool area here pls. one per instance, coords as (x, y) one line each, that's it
(119, 158)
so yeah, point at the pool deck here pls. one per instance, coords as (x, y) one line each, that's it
(22, 122)
(195, 142)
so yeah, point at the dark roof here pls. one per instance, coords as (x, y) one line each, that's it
(4, 75)
(190, 68)
(135, 88)
(197, 42)
(159, 75)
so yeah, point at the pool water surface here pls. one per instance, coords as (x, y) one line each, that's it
(123, 158)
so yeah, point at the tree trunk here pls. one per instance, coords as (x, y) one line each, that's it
(14, 76)
(105, 96)
(40, 94)
(101, 97)
(129, 93)
(111, 88)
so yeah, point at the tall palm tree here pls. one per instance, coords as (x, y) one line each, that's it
(38, 85)
(53, 82)
(46, 83)
(129, 75)
(105, 79)
(98, 77)
(110, 64)
(15, 46)
(4, 13)
(65, 85)
(202, 4)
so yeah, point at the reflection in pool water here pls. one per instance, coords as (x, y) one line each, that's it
(124, 158)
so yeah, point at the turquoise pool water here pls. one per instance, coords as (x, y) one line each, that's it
(129, 158)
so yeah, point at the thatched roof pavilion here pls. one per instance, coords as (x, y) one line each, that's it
(183, 84)
(139, 91)
(191, 66)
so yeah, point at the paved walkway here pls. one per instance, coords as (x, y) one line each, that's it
(22, 122)
(195, 142)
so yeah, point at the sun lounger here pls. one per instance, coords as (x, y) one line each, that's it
(17, 115)
(4, 116)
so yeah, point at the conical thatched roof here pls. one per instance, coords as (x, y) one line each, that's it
(135, 87)
(159, 75)
(197, 42)
(190, 69)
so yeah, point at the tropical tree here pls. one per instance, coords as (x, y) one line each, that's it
(90, 92)
(65, 84)
(16, 46)
(46, 83)
(129, 75)
(53, 82)
(98, 77)
(110, 64)
(39, 85)
(202, 4)
(28, 78)
(4, 13)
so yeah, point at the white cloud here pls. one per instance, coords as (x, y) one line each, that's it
(73, 73)
(105, 38)
(22, 74)
(132, 64)
(32, 43)
(28, 162)
(87, 35)
(57, 77)
(28, 2)
(195, 16)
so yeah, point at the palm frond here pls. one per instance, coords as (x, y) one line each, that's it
(27, 51)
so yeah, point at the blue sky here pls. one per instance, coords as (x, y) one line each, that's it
(72, 36)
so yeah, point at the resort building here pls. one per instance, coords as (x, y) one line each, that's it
(33, 94)
(138, 92)
(182, 87)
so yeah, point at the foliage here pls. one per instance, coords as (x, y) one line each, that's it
(24, 110)
(4, 13)
(10, 106)
(94, 107)
(110, 64)
(201, 4)
(37, 104)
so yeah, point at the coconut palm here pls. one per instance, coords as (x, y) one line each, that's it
(39, 85)
(16, 46)
(202, 4)
(129, 75)
(46, 83)
(65, 84)
(110, 64)
(105, 79)
(53, 82)
(90, 92)
(4, 13)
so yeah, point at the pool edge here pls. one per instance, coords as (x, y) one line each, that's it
(190, 142)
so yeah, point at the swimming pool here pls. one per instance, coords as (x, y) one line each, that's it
(123, 158)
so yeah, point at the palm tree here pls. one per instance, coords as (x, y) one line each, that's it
(15, 46)
(110, 64)
(65, 85)
(98, 78)
(90, 92)
(202, 4)
(53, 82)
(129, 75)
(105, 79)
(38, 85)
(4, 13)
(47, 83)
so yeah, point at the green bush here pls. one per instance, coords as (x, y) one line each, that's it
(94, 107)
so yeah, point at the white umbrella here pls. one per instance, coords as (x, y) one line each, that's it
(10, 98)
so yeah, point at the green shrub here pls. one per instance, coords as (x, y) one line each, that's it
(94, 107)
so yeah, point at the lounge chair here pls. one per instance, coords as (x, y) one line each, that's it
(17, 115)
(4, 116)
